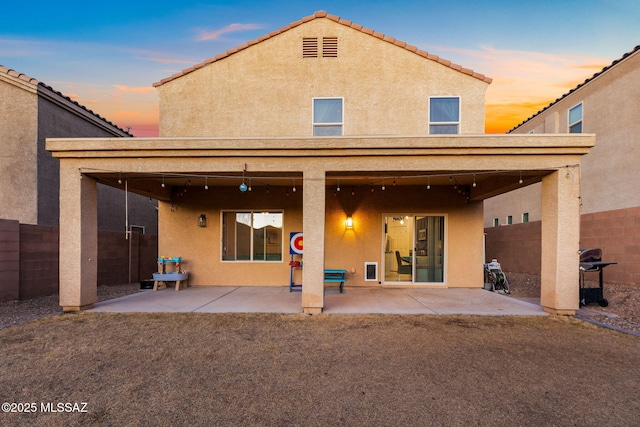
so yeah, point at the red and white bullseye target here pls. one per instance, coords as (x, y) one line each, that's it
(295, 245)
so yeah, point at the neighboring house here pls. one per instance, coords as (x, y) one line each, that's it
(607, 105)
(370, 147)
(30, 112)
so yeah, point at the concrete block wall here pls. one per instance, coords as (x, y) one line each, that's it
(39, 266)
(114, 266)
(29, 259)
(9, 260)
(517, 247)
(617, 233)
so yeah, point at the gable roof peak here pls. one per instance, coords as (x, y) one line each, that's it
(321, 14)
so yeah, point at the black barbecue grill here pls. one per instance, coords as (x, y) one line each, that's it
(590, 262)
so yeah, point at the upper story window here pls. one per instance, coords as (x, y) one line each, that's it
(575, 119)
(444, 115)
(327, 116)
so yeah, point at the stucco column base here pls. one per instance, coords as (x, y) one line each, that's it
(313, 218)
(78, 239)
(560, 312)
(559, 289)
(75, 308)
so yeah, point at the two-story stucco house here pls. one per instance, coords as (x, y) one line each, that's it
(370, 147)
(30, 112)
(607, 105)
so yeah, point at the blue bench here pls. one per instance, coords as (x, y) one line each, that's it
(330, 276)
(335, 276)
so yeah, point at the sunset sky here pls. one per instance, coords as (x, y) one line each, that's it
(107, 55)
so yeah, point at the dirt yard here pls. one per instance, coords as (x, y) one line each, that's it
(281, 370)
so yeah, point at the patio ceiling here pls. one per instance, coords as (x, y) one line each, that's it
(478, 184)
(482, 166)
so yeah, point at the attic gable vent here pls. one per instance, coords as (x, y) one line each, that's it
(329, 47)
(310, 47)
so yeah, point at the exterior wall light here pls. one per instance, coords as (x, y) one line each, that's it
(349, 222)
(202, 221)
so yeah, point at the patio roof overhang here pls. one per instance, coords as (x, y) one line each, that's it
(496, 163)
(482, 166)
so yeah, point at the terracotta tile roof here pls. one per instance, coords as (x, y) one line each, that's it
(35, 83)
(590, 79)
(323, 14)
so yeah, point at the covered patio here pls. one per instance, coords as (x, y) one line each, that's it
(448, 176)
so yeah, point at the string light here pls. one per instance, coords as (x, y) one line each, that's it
(428, 183)
(162, 181)
(206, 182)
(243, 187)
(474, 179)
(520, 181)
(383, 187)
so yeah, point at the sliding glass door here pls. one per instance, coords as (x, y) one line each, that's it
(414, 248)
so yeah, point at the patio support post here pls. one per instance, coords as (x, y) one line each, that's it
(78, 239)
(313, 218)
(560, 241)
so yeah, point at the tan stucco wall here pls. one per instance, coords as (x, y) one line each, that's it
(349, 249)
(18, 136)
(609, 171)
(267, 89)
(344, 249)
(201, 247)
(514, 203)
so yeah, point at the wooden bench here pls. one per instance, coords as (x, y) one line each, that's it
(335, 276)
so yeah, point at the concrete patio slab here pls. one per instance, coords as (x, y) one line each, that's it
(255, 299)
(164, 300)
(354, 300)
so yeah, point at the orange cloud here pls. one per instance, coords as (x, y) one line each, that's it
(524, 82)
(231, 28)
(130, 89)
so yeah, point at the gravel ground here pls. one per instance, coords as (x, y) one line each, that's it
(12, 312)
(623, 310)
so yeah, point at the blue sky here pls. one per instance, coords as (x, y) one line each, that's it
(107, 55)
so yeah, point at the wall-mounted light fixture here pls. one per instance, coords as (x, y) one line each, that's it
(349, 222)
(202, 221)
